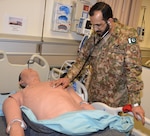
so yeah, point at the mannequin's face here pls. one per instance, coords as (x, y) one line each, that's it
(27, 76)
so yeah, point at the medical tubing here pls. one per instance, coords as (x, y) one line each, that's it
(91, 51)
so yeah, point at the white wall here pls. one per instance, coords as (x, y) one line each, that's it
(146, 42)
(31, 10)
(55, 47)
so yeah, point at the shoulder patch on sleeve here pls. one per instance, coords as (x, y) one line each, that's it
(131, 40)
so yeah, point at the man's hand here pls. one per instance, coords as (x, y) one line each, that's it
(64, 82)
(138, 111)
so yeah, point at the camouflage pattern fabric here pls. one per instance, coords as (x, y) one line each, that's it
(116, 67)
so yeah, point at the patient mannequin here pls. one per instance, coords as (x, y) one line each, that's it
(45, 101)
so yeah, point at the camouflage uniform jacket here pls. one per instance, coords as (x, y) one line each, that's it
(116, 67)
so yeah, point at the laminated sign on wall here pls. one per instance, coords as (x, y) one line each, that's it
(62, 17)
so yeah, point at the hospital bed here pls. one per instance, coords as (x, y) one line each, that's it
(9, 84)
(9, 74)
(57, 73)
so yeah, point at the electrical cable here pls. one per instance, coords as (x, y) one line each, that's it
(42, 34)
(143, 18)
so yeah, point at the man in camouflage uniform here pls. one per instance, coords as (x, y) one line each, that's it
(115, 59)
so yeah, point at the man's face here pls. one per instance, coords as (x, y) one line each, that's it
(99, 25)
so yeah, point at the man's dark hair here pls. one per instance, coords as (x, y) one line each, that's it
(104, 8)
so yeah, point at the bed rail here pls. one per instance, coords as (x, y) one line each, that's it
(9, 72)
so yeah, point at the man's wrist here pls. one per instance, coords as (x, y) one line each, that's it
(135, 105)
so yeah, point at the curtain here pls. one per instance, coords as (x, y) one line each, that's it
(126, 11)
